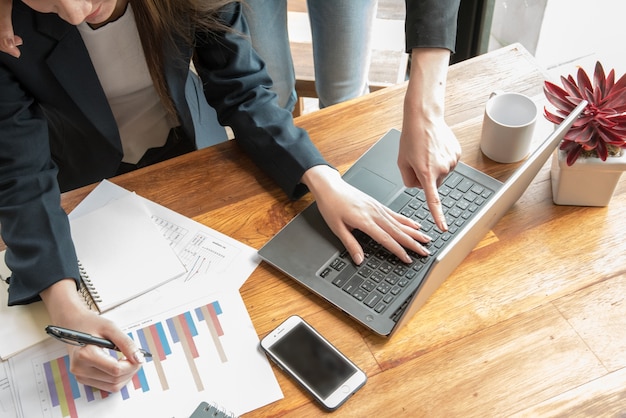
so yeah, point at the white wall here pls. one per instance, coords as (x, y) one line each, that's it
(573, 29)
(565, 33)
(517, 21)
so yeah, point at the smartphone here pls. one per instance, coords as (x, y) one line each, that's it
(320, 368)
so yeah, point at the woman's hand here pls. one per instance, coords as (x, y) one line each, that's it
(8, 41)
(92, 365)
(345, 208)
(429, 150)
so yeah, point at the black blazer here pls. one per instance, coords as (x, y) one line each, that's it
(431, 23)
(54, 83)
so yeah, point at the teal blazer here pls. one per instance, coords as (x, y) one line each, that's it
(57, 131)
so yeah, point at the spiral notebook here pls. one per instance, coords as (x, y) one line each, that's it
(121, 253)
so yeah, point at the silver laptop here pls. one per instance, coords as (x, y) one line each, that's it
(383, 292)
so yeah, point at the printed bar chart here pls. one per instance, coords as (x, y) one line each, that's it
(203, 350)
(159, 339)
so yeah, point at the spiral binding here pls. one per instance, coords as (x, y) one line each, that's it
(212, 410)
(88, 290)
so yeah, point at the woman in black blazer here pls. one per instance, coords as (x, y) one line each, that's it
(63, 124)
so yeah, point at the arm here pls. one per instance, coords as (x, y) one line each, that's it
(428, 148)
(91, 365)
(36, 231)
(235, 80)
(8, 41)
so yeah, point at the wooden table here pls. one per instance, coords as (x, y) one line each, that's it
(533, 321)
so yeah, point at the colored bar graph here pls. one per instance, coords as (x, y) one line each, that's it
(140, 381)
(63, 385)
(89, 393)
(159, 338)
(52, 388)
(189, 348)
(158, 353)
(208, 314)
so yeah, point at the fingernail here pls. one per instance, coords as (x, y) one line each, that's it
(9, 45)
(138, 356)
(358, 259)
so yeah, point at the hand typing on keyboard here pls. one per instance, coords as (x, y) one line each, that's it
(383, 277)
(345, 208)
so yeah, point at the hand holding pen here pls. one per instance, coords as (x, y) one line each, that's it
(82, 339)
(90, 364)
(94, 367)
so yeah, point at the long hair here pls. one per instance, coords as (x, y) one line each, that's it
(162, 22)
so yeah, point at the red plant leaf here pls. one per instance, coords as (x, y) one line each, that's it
(620, 109)
(621, 83)
(584, 119)
(552, 117)
(610, 81)
(571, 87)
(609, 136)
(598, 82)
(597, 95)
(589, 94)
(614, 99)
(619, 119)
(555, 90)
(602, 122)
(583, 80)
(586, 134)
(558, 97)
(602, 150)
(573, 154)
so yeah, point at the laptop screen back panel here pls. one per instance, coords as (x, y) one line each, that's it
(479, 226)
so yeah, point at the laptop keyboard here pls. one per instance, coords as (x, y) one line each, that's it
(382, 277)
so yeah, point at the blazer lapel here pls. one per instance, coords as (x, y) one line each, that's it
(81, 83)
(177, 64)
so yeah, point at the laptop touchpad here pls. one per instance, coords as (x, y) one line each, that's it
(371, 183)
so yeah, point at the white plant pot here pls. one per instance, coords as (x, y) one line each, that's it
(588, 182)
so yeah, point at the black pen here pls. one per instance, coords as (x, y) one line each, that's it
(70, 336)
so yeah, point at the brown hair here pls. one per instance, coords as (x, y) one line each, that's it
(161, 22)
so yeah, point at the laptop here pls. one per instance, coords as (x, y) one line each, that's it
(383, 292)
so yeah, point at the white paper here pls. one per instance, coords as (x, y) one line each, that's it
(229, 369)
(235, 264)
(122, 252)
(7, 408)
(20, 326)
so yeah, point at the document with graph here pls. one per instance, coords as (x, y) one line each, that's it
(214, 262)
(7, 408)
(205, 252)
(206, 350)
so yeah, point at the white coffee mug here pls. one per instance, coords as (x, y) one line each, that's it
(508, 126)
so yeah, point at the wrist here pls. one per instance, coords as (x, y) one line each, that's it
(63, 302)
(317, 176)
(425, 94)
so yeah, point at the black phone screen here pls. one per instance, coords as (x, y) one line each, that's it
(318, 365)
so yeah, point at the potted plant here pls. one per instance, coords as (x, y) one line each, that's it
(592, 156)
